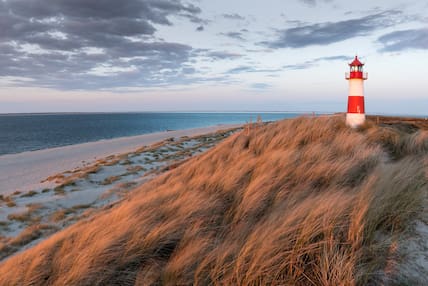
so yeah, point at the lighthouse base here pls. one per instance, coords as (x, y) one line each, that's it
(355, 119)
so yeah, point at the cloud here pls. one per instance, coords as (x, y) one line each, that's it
(233, 16)
(309, 2)
(200, 28)
(241, 69)
(313, 2)
(314, 62)
(260, 86)
(223, 55)
(296, 66)
(250, 69)
(234, 35)
(332, 32)
(403, 40)
(332, 58)
(147, 64)
(156, 11)
(92, 44)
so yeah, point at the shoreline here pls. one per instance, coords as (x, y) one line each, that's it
(33, 132)
(26, 170)
(226, 125)
(62, 197)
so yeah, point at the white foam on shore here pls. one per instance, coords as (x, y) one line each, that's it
(25, 171)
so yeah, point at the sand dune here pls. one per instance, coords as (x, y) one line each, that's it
(306, 201)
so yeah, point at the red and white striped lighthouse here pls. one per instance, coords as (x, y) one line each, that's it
(356, 113)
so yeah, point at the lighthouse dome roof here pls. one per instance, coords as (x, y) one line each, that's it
(356, 62)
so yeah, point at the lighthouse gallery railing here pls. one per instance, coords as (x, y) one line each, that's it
(356, 75)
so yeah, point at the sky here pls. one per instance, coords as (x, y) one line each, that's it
(205, 55)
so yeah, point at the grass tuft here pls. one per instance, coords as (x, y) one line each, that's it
(29, 194)
(110, 180)
(21, 217)
(9, 201)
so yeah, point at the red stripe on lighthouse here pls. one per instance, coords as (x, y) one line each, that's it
(356, 104)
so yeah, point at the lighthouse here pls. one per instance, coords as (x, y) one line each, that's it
(356, 77)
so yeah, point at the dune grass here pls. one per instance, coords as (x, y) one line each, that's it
(298, 202)
(29, 194)
(8, 201)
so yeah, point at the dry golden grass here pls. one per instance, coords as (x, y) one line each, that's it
(134, 170)
(299, 202)
(10, 245)
(59, 215)
(29, 194)
(29, 234)
(8, 200)
(21, 217)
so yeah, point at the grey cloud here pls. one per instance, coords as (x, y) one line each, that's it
(241, 69)
(148, 61)
(333, 58)
(195, 19)
(403, 40)
(88, 19)
(114, 27)
(47, 41)
(234, 35)
(233, 16)
(156, 50)
(332, 32)
(250, 69)
(15, 27)
(314, 62)
(297, 66)
(223, 55)
(200, 28)
(260, 86)
(313, 2)
(309, 2)
(156, 11)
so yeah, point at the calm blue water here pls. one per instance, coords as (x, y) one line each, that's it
(28, 132)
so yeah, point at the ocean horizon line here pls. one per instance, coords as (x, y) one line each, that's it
(207, 112)
(163, 112)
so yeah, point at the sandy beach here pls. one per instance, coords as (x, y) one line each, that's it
(25, 171)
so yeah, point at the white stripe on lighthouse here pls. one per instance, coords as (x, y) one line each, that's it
(356, 87)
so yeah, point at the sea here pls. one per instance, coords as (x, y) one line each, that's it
(30, 132)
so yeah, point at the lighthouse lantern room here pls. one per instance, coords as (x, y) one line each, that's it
(356, 113)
